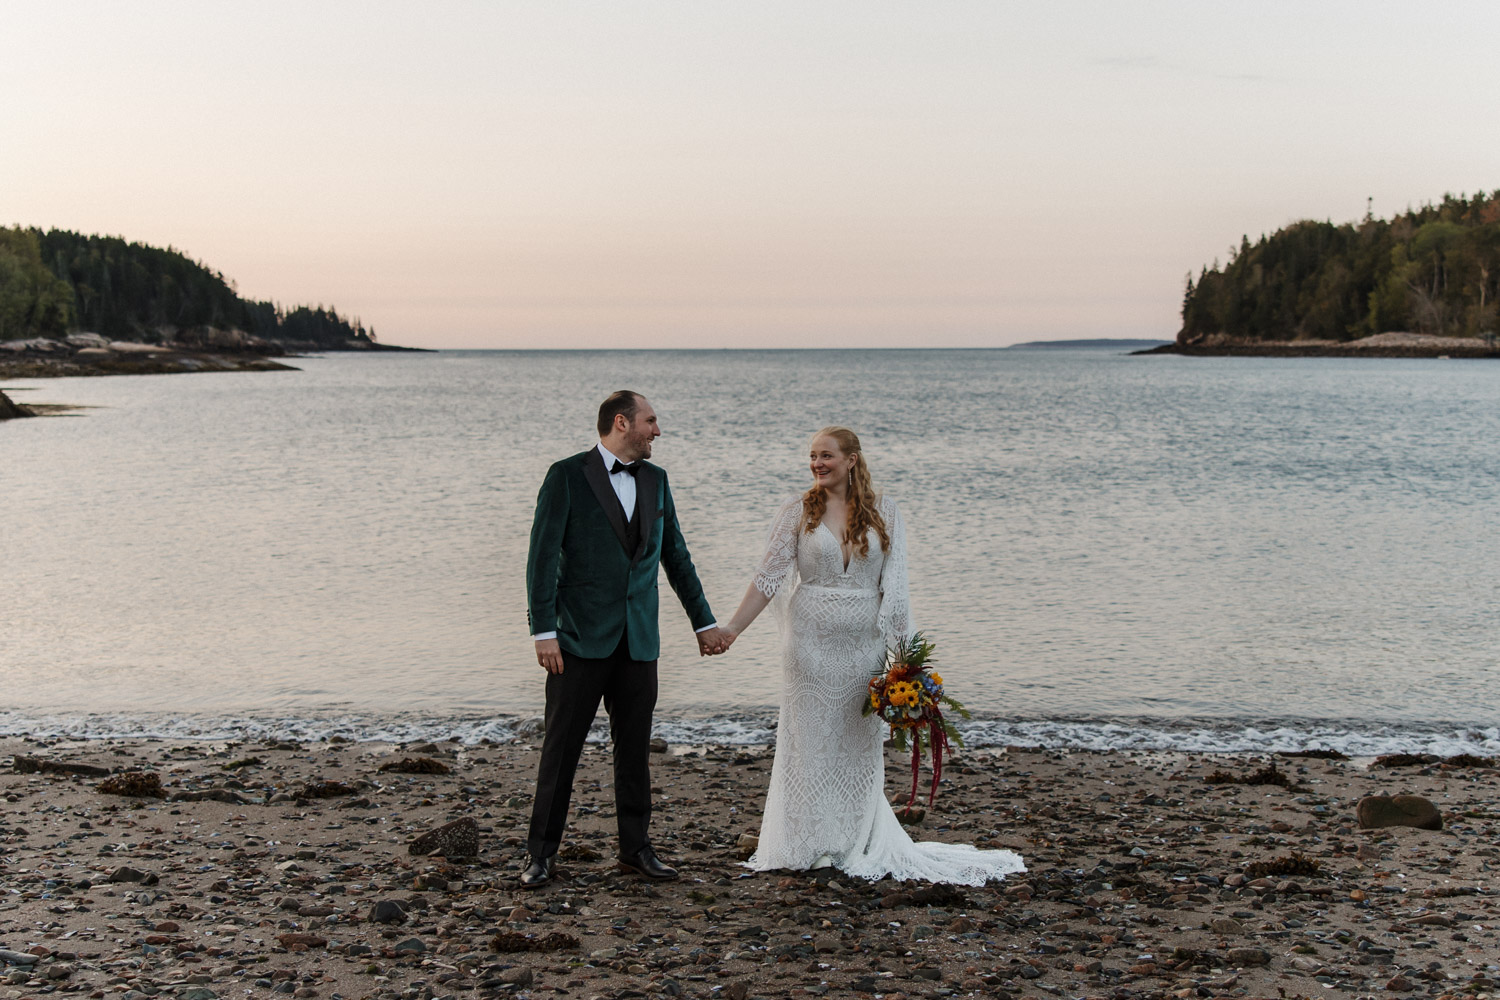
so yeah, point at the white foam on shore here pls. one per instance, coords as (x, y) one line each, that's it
(1235, 737)
(358, 729)
(1197, 736)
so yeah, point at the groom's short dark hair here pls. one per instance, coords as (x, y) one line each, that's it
(623, 401)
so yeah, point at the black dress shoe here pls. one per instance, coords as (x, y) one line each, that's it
(537, 874)
(645, 862)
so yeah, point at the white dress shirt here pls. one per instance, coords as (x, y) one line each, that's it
(623, 484)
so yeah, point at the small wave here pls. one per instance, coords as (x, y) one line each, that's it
(359, 729)
(1233, 736)
(751, 729)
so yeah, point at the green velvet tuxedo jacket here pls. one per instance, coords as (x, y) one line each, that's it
(580, 580)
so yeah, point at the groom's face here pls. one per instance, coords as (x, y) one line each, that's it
(641, 432)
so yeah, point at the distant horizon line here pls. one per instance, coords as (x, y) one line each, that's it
(1102, 341)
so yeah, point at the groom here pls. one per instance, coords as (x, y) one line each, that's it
(604, 522)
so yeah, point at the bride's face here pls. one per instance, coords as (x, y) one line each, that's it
(830, 466)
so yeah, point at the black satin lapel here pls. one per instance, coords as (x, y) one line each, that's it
(593, 471)
(645, 508)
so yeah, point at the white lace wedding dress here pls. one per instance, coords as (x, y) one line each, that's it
(827, 794)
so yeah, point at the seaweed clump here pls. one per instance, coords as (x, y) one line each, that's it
(1267, 775)
(1291, 864)
(509, 942)
(136, 784)
(1468, 760)
(324, 790)
(1315, 754)
(1404, 759)
(1416, 759)
(415, 765)
(235, 765)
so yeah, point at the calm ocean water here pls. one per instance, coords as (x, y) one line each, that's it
(1109, 550)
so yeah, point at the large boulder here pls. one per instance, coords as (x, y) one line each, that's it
(213, 338)
(87, 340)
(35, 345)
(9, 410)
(1377, 811)
(459, 839)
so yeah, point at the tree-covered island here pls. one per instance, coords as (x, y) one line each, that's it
(1424, 283)
(76, 305)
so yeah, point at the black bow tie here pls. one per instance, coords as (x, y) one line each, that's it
(620, 466)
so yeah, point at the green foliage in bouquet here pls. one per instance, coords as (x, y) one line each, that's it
(908, 694)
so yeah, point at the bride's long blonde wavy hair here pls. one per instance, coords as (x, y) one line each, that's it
(862, 511)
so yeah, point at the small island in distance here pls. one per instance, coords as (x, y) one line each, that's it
(98, 305)
(1425, 283)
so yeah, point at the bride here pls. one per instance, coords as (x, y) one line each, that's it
(839, 552)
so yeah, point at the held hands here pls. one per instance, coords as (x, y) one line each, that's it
(549, 655)
(713, 641)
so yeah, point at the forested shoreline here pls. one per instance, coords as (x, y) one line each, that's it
(56, 282)
(1433, 270)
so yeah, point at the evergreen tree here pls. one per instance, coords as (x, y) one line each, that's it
(1433, 269)
(55, 281)
(33, 301)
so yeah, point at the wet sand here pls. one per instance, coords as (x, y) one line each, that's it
(1141, 882)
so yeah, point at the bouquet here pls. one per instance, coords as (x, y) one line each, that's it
(908, 694)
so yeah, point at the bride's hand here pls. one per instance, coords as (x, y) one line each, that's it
(724, 637)
(710, 641)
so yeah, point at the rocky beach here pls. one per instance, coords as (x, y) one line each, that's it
(85, 354)
(204, 349)
(138, 868)
(1380, 345)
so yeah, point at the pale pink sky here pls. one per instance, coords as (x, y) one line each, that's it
(705, 174)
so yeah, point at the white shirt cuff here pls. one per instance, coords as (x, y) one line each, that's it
(706, 627)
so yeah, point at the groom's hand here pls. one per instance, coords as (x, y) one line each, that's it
(549, 655)
(712, 641)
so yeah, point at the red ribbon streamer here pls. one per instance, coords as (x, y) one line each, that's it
(939, 739)
(939, 743)
(916, 765)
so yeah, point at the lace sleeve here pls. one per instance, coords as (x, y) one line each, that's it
(781, 549)
(895, 598)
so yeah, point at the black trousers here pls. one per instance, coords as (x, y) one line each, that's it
(628, 690)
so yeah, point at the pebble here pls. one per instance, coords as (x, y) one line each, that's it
(387, 911)
(521, 976)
